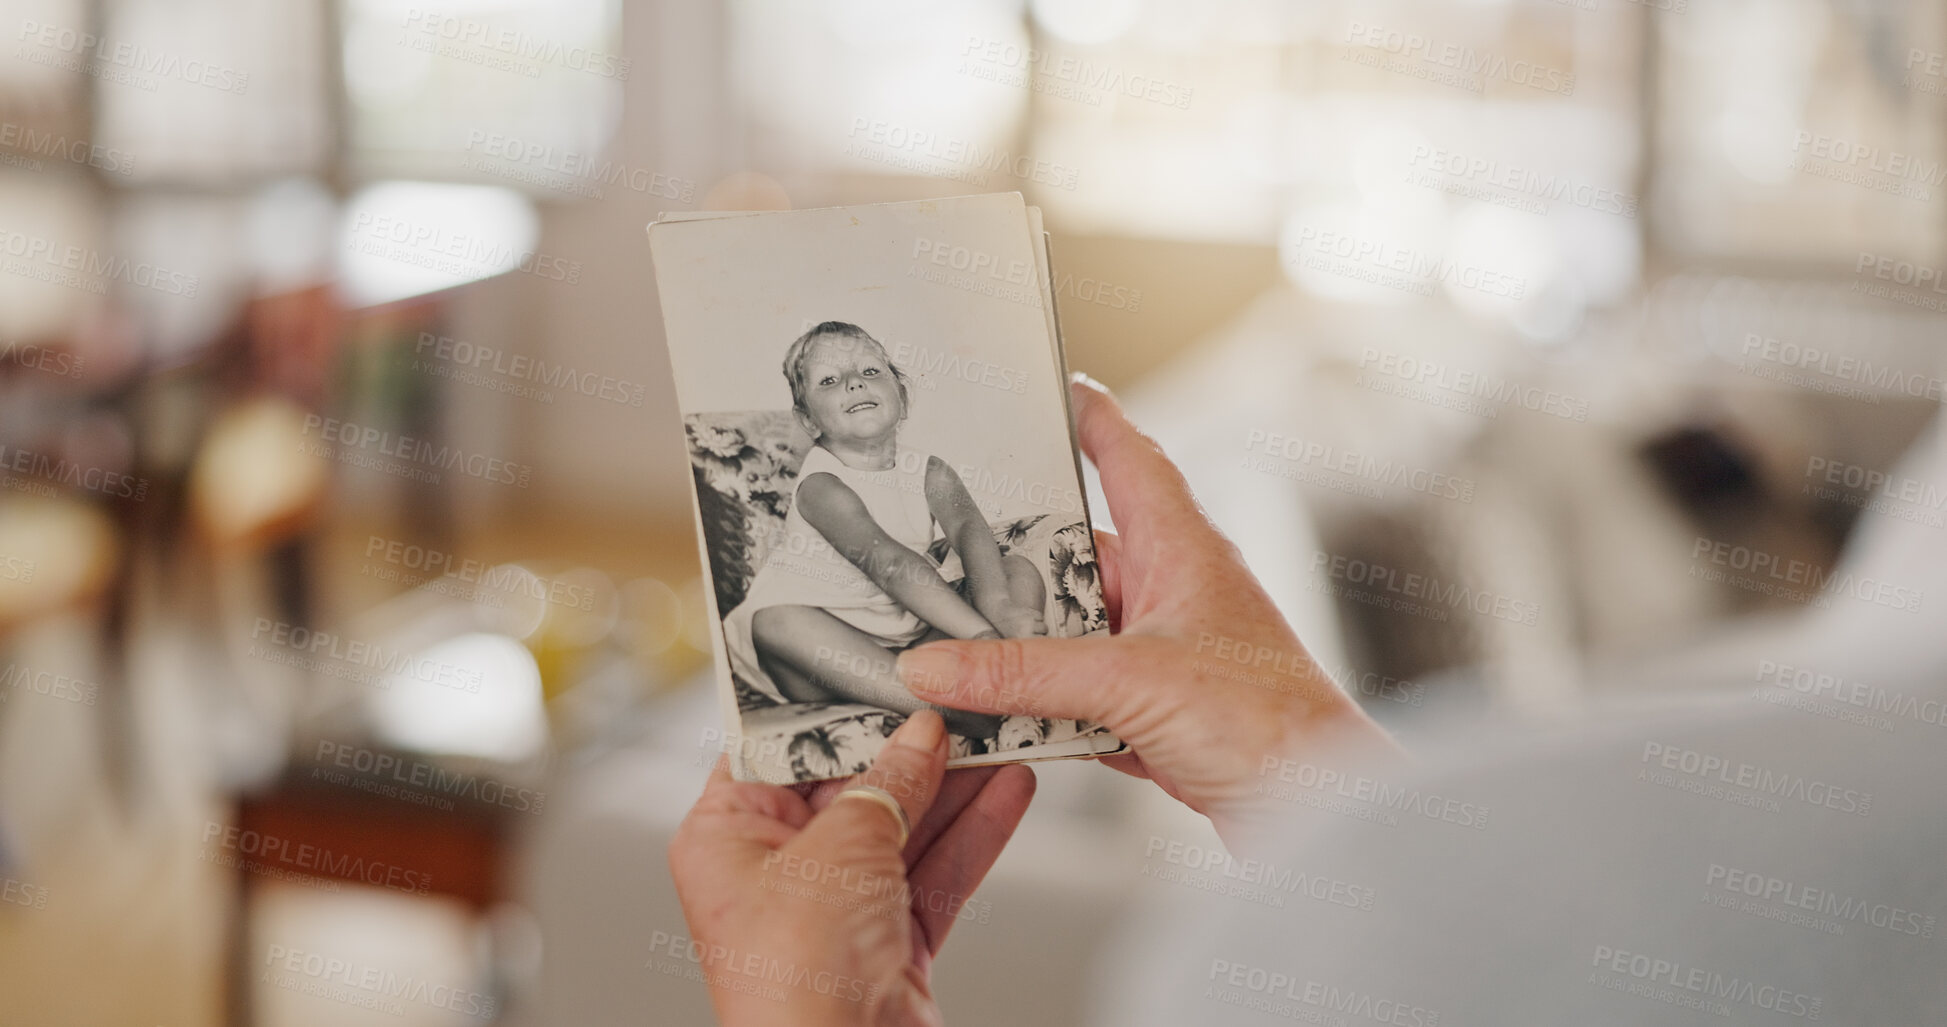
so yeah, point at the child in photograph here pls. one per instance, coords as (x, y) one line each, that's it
(849, 582)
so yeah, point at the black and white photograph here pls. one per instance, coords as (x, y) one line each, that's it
(876, 420)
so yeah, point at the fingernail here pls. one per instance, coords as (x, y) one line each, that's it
(923, 730)
(928, 669)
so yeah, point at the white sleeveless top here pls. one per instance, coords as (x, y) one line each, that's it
(802, 568)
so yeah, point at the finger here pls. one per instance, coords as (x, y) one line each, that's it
(1108, 561)
(909, 769)
(1148, 496)
(1128, 763)
(945, 877)
(959, 789)
(733, 818)
(723, 794)
(1035, 677)
(956, 791)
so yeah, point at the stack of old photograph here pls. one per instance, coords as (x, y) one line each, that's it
(875, 408)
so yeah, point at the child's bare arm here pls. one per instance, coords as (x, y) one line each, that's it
(968, 532)
(831, 506)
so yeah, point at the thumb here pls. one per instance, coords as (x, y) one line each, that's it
(1035, 677)
(909, 769)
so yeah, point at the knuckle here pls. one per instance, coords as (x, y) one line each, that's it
(906, 775)
(944, 681)
(1143, 441)
(893, 761)
(1005, 662)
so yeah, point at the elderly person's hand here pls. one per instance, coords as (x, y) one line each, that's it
(1203, 677)
(807, 906)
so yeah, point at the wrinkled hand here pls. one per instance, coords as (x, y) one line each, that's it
(788, 892)
(1203, 678)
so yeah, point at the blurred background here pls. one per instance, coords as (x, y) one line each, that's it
(353, 654)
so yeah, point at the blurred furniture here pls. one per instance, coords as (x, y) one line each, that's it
(358, 826)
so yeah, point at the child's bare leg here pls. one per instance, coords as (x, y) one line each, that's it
(1024, 585)
(962, 722)
(815, 657)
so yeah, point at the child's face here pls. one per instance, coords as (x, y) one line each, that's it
(849, 389)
